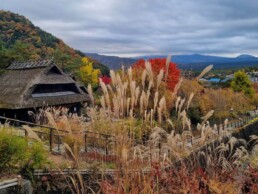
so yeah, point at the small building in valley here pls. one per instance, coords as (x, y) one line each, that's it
(32, 85)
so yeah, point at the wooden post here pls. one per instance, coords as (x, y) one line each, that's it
(26, 133)
(51, 139)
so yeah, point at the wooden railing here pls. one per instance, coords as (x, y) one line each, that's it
(90, 138)
(55, 136)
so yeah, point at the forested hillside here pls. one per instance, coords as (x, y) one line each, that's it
(20, 40)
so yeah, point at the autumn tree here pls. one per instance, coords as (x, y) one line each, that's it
(3, 55)
(224, 101)
(172, 73)
(105, 79)
(17, 52)
(88, 74)
(242, 83)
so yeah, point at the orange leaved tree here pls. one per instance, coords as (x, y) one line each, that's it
(171, 71)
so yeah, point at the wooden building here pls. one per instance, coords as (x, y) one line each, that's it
(28, 86)
(187, 74)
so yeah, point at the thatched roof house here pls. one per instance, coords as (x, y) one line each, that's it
(29, 85)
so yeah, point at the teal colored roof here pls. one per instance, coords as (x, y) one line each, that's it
(214, 80)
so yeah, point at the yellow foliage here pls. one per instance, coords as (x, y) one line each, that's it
(85, 61)
(88, 74)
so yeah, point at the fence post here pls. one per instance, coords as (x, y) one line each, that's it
(51, 139)
(26, 133)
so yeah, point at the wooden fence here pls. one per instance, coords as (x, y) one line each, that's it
(55, 136)
(91, 139)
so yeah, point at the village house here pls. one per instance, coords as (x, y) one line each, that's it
(32, 85)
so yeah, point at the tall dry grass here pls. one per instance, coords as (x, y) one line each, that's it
(219, 153)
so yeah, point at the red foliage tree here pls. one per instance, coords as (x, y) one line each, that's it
(157, 65)
(105, 79)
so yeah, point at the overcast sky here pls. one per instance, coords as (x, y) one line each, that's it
(140, 27)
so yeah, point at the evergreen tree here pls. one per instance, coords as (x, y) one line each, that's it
(242, 83)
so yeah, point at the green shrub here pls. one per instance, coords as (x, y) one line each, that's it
(38, 155)
(13, 151)
(16, 153)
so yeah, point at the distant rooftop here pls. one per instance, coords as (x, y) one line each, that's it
(30, 64)
(214, 80)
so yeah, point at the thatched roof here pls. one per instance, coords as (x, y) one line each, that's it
(19, 86)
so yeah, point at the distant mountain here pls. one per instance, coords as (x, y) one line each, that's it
(21, 40)
(197, 58)
(245, 56)
(194, 61)
(197, 61)
(113, 62)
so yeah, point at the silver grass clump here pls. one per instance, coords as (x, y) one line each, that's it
(149, 72)
(119, 80)
(180, 106)
(157, 134)
(241, 155)
(90, 92)
(170, 123)
(159, 79)
(254, 138)
(174, 94)
(151, 117)
(137, 94)
(207, 116)
(102, 102)
(156, 98)
(113, 77)
(144, 74)
(183, 118)
(128, 105)
(130, 74)
(177, 102)
(161, 108)
(206, 70)
(190, 100)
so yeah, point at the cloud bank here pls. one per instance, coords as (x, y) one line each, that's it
(130, 27)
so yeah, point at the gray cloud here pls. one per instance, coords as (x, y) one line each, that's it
(130, 27)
